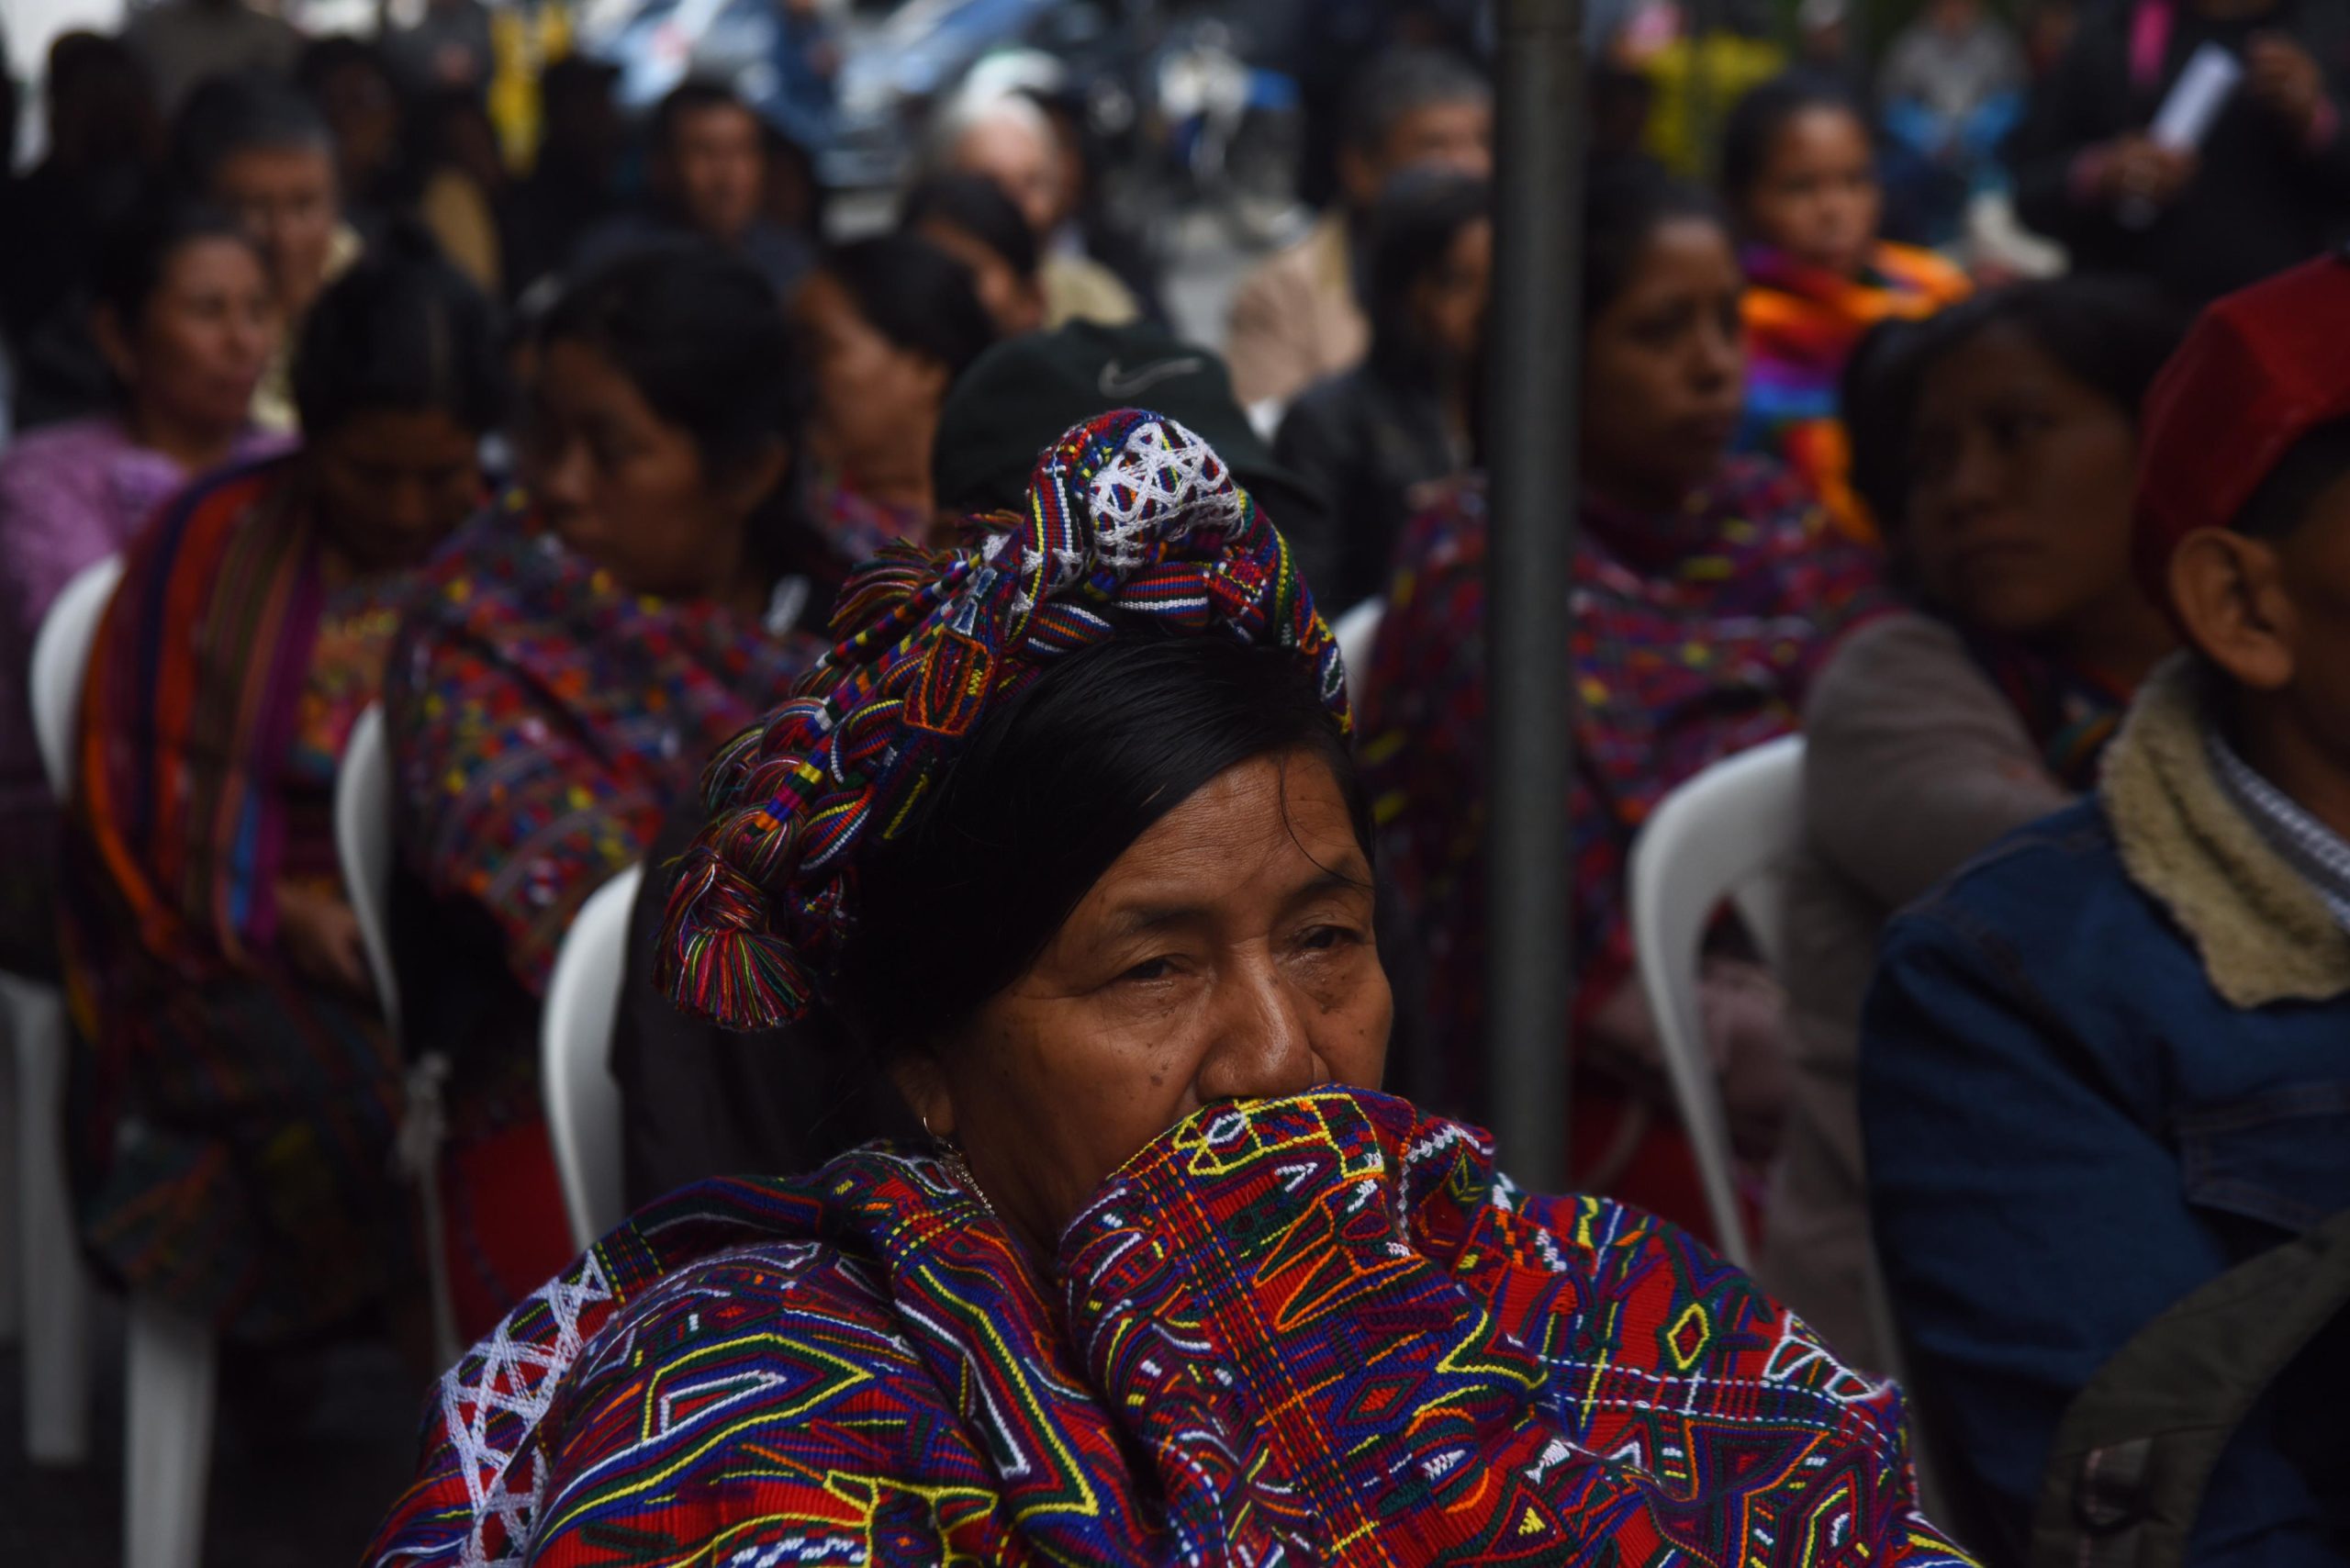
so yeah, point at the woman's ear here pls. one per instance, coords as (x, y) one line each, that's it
(924, 1088)
(2230, 591)
(107, 326)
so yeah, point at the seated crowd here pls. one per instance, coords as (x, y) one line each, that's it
(1035, 939)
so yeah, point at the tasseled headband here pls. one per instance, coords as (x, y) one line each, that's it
(1129, 512)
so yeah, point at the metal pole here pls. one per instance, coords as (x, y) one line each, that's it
(1537, 340)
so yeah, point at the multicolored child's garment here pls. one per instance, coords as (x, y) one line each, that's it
(1321, 1329)
(1802, 324)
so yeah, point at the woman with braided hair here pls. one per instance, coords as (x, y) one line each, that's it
(1065, 831)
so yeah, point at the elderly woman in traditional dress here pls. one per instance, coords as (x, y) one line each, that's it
(1066, 832)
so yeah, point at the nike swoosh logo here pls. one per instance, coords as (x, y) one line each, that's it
(1119, 382)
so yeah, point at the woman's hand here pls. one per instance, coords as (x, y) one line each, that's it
(321, 936)
(2135, 169)
(2284, 79)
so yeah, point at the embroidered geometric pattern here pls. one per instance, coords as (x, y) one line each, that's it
(1312, 1330)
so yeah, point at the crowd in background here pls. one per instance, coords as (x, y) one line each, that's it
(1887, 439)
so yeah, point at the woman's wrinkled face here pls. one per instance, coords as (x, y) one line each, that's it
(626, 488)
(393, 483)
(1818, 197)
(1664, 369)
(2020, 484)
(1226, 955)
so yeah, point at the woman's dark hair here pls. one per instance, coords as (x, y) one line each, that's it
(977, 206)
(1625, 206)
(137, 251)
(401, 329)
(1130, 729)
(2281, 502)
(703, 340)
(1419, 215)
(1754, 126)
(2109, 334)
(917, 296)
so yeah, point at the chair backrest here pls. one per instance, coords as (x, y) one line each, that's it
(1357, 632)
(364, 846)
(62, 662)
(1725, 833)
(575, 1057)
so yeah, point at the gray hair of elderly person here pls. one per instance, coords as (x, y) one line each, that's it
(1008, 139)
(1402, 82)
(229, 115)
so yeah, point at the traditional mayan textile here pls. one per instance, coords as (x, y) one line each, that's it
(1696, 635)
(2072, 715)
(257, 1195)
(1130, 515)
(1802, 324)
(1321, 1329)
(544, 719)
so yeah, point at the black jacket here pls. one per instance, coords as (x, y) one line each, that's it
(2261, 199)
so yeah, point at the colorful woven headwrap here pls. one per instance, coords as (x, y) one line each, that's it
(1130, 514)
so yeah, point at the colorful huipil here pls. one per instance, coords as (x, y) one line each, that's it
(237, 1117)
(543, 720)
(1695, 636)
(1320, 1329)
(1802, 324)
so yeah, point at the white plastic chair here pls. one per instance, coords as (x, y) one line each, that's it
(575, 1057)
(171, 1364)
(1725, 833)
(1357, 634)
(367, 854)
(365, 849)
(56, 1292)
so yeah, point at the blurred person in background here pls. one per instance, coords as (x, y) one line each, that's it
(460, 181)
(2102, 1089)
(890, 323)
(349, 81)
(1999, 443)
(1708, 592)
(569, 188)
(1374, 438)
(710, 173)
(1950, 91)
(1298, 317)
(566, 668)
(261, 152)
(447, 45)
(1799, 175)
(106, 142)
(972, 221)
(186, 42)
(240, 1092)
(2269, 185)
(1010, 140)
(186, 321)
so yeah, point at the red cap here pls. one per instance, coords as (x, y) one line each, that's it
(2259, 370)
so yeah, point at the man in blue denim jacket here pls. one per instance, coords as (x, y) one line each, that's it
(2110, 1061)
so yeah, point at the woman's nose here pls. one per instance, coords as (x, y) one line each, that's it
(1264, 1048)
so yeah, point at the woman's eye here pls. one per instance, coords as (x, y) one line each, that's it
(1149, 970)
(1322, 938)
